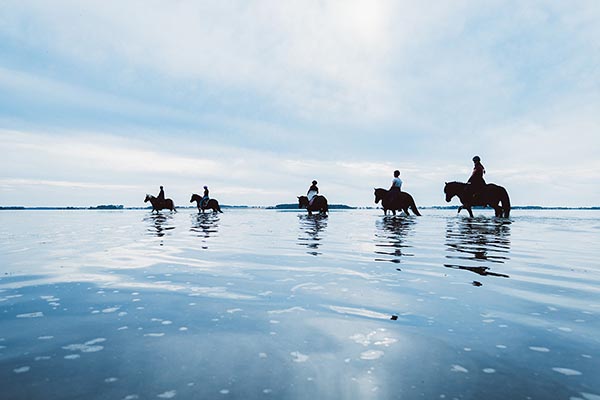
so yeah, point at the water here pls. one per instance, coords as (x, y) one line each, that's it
(266, 304)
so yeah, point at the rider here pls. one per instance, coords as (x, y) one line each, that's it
(161, 195)
(476, 181)
(205, 197)
(313, 190)
(396, 187)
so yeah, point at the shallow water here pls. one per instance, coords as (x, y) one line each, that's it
(268, 304)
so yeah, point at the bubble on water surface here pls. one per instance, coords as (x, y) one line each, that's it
(489, 370)
(168, 394)
(111, 379)
(371, 354)
(45, 337)
(458, 368)
(299, 357)
(154, 334)
(38, 314)
(362, 312)
(566, 371)
(286, 310)
(21, 370)
(72, 356)
(539, 349)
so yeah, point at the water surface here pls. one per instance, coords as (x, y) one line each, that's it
(266, 304)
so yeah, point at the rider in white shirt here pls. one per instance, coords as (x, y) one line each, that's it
(396, 182)
(312, 192)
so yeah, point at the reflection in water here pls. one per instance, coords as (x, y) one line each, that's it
(159, 224)
(478, 240)
(390, 236)
(205, 226)
(311, 227)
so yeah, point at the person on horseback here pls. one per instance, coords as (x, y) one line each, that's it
(313, 191)
(161, 195)
(476, 181)
(205, 198)
(396, 187)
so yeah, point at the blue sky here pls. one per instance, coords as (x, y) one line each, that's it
(102, 102)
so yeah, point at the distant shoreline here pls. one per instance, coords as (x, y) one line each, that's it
(279, 207)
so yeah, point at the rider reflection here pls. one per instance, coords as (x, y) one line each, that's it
(472, 241)
(205, 226)
(312, 226)
(391, 236)
(159, 224)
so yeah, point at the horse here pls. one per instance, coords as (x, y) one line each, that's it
(319, 204)
(211, 203)
(492, 195)
(401, 202)
(158, 205)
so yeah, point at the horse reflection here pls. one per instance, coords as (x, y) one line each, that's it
(478, 240)
(312, 226)
(159, 224)
(391, 236)
(205, 225)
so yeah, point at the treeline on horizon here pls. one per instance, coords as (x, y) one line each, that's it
(290, 206)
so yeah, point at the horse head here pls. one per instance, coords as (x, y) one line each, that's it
(194, 197)
(379, 193)
(451, 189)
(148, 198)
(302, 201)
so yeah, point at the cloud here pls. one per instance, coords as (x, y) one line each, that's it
(259, 99)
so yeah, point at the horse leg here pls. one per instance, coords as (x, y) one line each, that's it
(470, 211)
(459, 209)
(406, 211)
(498, 210)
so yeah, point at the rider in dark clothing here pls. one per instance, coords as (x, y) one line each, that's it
(476, 181)
(205, 197)
(161, 195)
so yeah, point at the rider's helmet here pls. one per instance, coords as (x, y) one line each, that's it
(205, 187)
(396, 173)
(476, 159)
(161, 188)
(314, 182)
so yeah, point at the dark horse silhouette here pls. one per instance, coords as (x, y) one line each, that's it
(319, 204)
(401, 202)
(492, 195)
(211, 203)
(158, 205)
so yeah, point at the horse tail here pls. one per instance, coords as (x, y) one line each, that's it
(219, 207)
(505, 203)
(325, 205)
(413, 207)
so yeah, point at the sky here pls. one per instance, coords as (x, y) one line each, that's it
(102, 102)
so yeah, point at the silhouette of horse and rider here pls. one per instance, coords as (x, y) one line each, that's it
(476, 192)
(159, 202)
(313, 201)
(395, 199)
